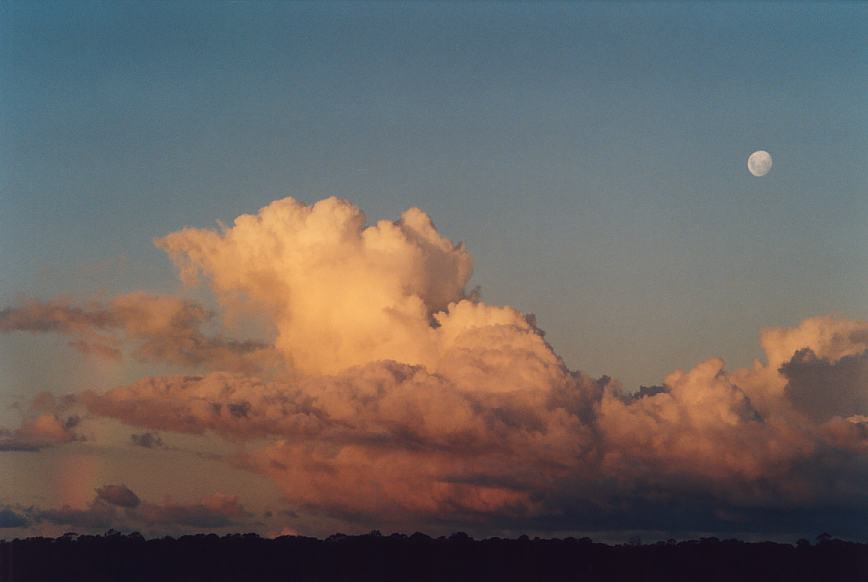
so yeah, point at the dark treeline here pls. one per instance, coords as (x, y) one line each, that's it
(248, 557)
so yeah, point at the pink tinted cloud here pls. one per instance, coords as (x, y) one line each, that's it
(156, 328)
(404, 397)
(48, 421)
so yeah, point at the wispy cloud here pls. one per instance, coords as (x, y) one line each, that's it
(156, 328)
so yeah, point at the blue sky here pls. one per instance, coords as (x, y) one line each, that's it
(591, 155)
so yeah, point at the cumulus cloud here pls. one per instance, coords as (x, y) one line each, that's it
(341, 293)
(47, 422)
(392, 440)
(422, 440)
(404, 398)
(703, 429)
(823, 388)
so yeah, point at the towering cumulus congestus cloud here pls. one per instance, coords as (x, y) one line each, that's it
(342, 294)
(401, 399)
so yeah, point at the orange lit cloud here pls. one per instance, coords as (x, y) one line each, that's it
(401, 397)
(340, 293)
(158, 328)
(48, 421)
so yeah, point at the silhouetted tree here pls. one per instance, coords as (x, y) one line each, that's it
(417, 558)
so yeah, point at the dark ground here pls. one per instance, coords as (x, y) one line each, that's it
(418, 557)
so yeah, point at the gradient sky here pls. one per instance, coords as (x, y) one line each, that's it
(590, 155)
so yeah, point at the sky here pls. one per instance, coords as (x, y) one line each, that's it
(584, 163)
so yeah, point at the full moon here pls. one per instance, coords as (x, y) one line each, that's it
(759, 163)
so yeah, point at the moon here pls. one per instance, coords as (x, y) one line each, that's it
(759, 163)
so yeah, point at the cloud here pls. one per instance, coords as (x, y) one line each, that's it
(823, 388)
(159, 328)
(392, 441)
(148, 440)
(416, 401)
(10, 519)
(99, 515)
(340, 293)
(214, 511)
(48, 422)
(118, 507)
(400, 398)
(703, 429)
(119, 495)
